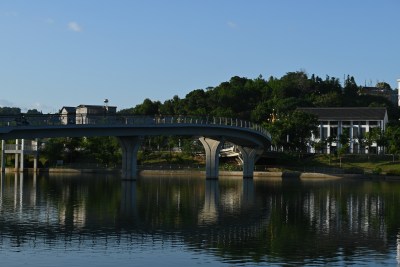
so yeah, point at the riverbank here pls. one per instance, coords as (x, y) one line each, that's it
(195, 172)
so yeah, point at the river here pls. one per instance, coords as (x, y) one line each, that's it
(101, 220)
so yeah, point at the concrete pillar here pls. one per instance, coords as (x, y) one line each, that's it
(22, 155)
(16, 154)
(249, 156)
(130, 146)
(3, 156)
(36, 154)
(212, 148)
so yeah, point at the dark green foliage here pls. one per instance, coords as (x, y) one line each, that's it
(9, 111)
(246, 99)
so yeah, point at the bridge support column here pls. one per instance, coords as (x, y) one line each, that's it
(249, 157)
(130, 146)
(16, 155)
(22, 159)
(36, 155)
(3, 156)
(212, 148)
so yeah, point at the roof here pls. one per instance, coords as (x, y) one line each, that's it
(69, 109)
(346, 113)
(95, 106)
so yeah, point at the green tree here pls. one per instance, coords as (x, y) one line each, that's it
(344, 145)
(393, 140)
(53, 150)
(293, 131)
(350, 87)
(105, 150)
(383, 85)
(9, 111)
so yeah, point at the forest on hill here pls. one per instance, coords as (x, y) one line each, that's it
(258, 100)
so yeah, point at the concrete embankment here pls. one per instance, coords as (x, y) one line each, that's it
(192, 172)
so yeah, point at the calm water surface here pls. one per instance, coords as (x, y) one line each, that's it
(92, 220)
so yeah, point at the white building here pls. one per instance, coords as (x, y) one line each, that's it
(398, 91)
(353, 122)
(86, 114)
(68, 115)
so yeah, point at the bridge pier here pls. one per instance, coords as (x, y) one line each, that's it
(22, 149)
(130, 146)
(212, 148)
(3, 156)
(249, 157)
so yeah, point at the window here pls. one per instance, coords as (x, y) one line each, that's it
(334, 131)
(355, 132)
(362, 132)
(324, 133)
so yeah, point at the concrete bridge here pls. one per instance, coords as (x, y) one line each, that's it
(250, 139)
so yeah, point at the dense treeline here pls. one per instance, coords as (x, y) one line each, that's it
(261, 101)
(258, 100)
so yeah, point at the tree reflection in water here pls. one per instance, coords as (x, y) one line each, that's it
(237, 220)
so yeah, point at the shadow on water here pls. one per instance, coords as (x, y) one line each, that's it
(235, 219)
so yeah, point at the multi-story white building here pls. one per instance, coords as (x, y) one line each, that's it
(85, 114)
(68, 115)
(354, 122)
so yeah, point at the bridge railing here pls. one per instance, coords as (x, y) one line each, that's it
(117, 119)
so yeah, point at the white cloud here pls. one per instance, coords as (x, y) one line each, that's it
(10, 14)
(49, 21)
(43, 108)
(74, 26)
(231, 24)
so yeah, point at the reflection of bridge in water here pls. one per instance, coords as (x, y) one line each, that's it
(250, 139)
(228, 216)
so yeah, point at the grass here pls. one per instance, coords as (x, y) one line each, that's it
(352, 163)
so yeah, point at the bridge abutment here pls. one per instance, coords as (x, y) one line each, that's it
(212, 148)
(249, 157)
(130, 146)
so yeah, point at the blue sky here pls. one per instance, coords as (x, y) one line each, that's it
(67, 53)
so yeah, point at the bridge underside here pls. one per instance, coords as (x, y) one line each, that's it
(212, 146)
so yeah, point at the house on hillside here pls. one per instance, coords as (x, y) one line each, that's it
(68, 115)
(389, 94)
(351, 122)
(86, 114)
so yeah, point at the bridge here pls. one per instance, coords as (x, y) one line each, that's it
(250, 139)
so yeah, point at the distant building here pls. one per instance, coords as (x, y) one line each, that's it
(353, 122)
(398, 92)
(90, 113)
(391, 95)
(68, 115)
(86, 114)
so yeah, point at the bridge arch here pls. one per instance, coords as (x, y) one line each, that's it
(250, 138)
